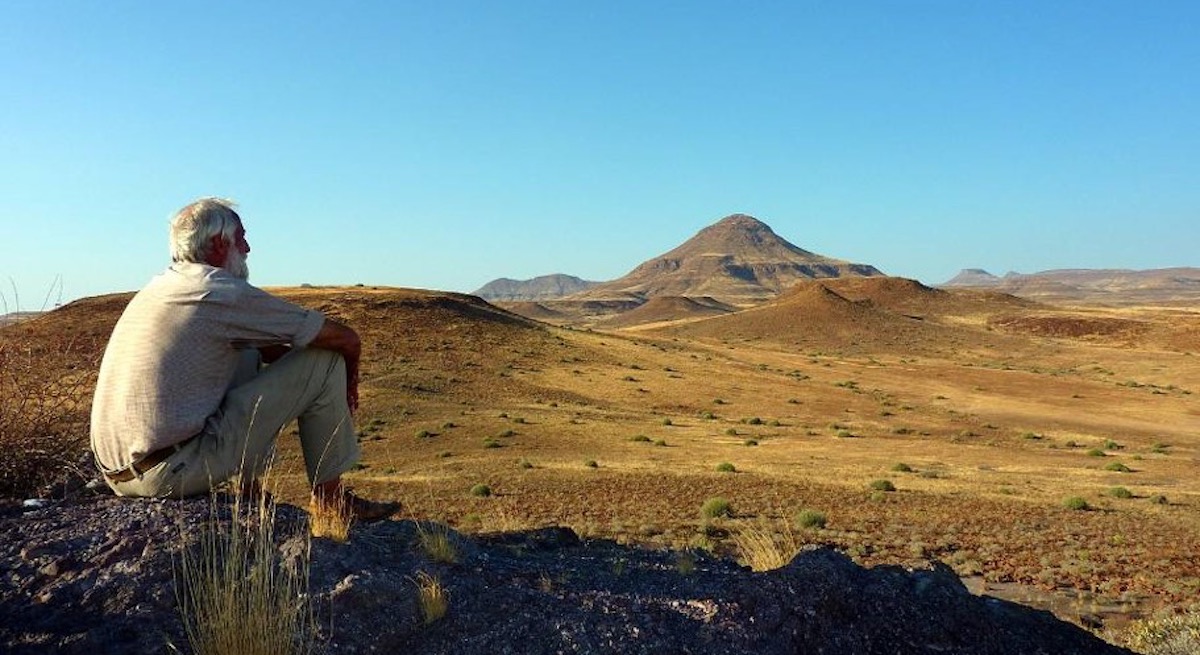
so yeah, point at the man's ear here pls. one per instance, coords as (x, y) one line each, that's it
(218, 251)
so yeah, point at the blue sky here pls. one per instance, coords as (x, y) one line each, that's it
(444, 144)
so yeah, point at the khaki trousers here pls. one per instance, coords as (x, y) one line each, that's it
(239, 438)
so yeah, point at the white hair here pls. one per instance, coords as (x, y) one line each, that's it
(194, 226)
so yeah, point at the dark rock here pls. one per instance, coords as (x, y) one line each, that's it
(537, 592)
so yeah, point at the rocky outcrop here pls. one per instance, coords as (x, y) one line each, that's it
(96, 575)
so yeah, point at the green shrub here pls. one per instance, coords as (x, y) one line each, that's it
(424, 434)
(1095, 452)
(1076, 503)
(809, 518)
(754, 421)
(491, 443)
(591, 463)
(732, 432)
(1120, 492)
(726, 467)
(750, 442)
(640, 438)
(901, 467)
(1158, 499)
(715, 507)
(882, 485)
(660, 442)
(481, 490)
(1118, 467)
(844, 434)
(666, 421)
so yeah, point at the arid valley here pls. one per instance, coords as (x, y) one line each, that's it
(1047, 453)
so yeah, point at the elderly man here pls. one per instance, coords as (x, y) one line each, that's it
(181, 403)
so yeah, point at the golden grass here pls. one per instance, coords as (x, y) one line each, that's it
(1173, 635)
(436, 542)
(432, 597)
(235, 592)
(764, 549)
(329, 522)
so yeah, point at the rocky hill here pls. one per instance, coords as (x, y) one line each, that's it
(544, 287)
(738, 260)
(101, 575)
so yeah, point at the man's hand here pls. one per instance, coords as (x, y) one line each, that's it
(343, 340)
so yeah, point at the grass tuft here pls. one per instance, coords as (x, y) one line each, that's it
(809, 519)
(726, 467)
(481, 490)
(236, 593)
(1076, 503)
(716, 507)
(882, 485)
(763, 550)
(432, 598)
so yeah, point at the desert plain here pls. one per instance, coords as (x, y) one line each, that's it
(1047, 453)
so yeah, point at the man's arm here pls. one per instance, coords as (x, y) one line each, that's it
(343, 340)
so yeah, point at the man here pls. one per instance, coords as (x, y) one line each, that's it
(181, 403)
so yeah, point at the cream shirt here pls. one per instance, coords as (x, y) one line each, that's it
(173, 353)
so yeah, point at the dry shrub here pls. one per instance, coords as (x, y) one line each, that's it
(432, 597)
(45, 402)
(437, 543)
(1173, 635)
(764, 549)
(236, 592)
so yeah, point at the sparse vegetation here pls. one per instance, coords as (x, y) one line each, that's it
(901, 467)
(715, 507)
(1076, 503)
(1120, 492)
(432, 597)
(1118, 467)
(809, 519)
(436, 542)
(882, 485)
(481, 490)
(726, 467)
(235, 593)
(1169, 635)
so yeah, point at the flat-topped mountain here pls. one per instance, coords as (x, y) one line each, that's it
(544, 287)
(738, 260)
(1108, 286)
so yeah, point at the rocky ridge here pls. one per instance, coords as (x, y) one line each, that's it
(95, 574)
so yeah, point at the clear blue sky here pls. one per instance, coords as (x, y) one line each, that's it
(445, 144)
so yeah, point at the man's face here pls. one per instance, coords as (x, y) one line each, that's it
(235, 260)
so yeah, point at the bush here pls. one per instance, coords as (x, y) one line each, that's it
(481, 490)
(754, 421)
(1118, 467)
(715, 507)
(1120, 492)
(491, 443)
(640, 438)
(808, 518)
(666, 421)
(1076, 503)
(1173, 635)
(901, 467)
(732, 432)
(750, 442)
(1095, 452)
(591, 463)
(1158, 499)
(660, 442)
(882, 485)
(726, 467)
(45, 400)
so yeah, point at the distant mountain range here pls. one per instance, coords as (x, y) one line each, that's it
(738, 260)
(1110, 286)
(545, 287)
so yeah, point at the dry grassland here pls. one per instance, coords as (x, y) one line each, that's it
(986, 414)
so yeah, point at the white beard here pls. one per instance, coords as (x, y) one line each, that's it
(235, 263)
